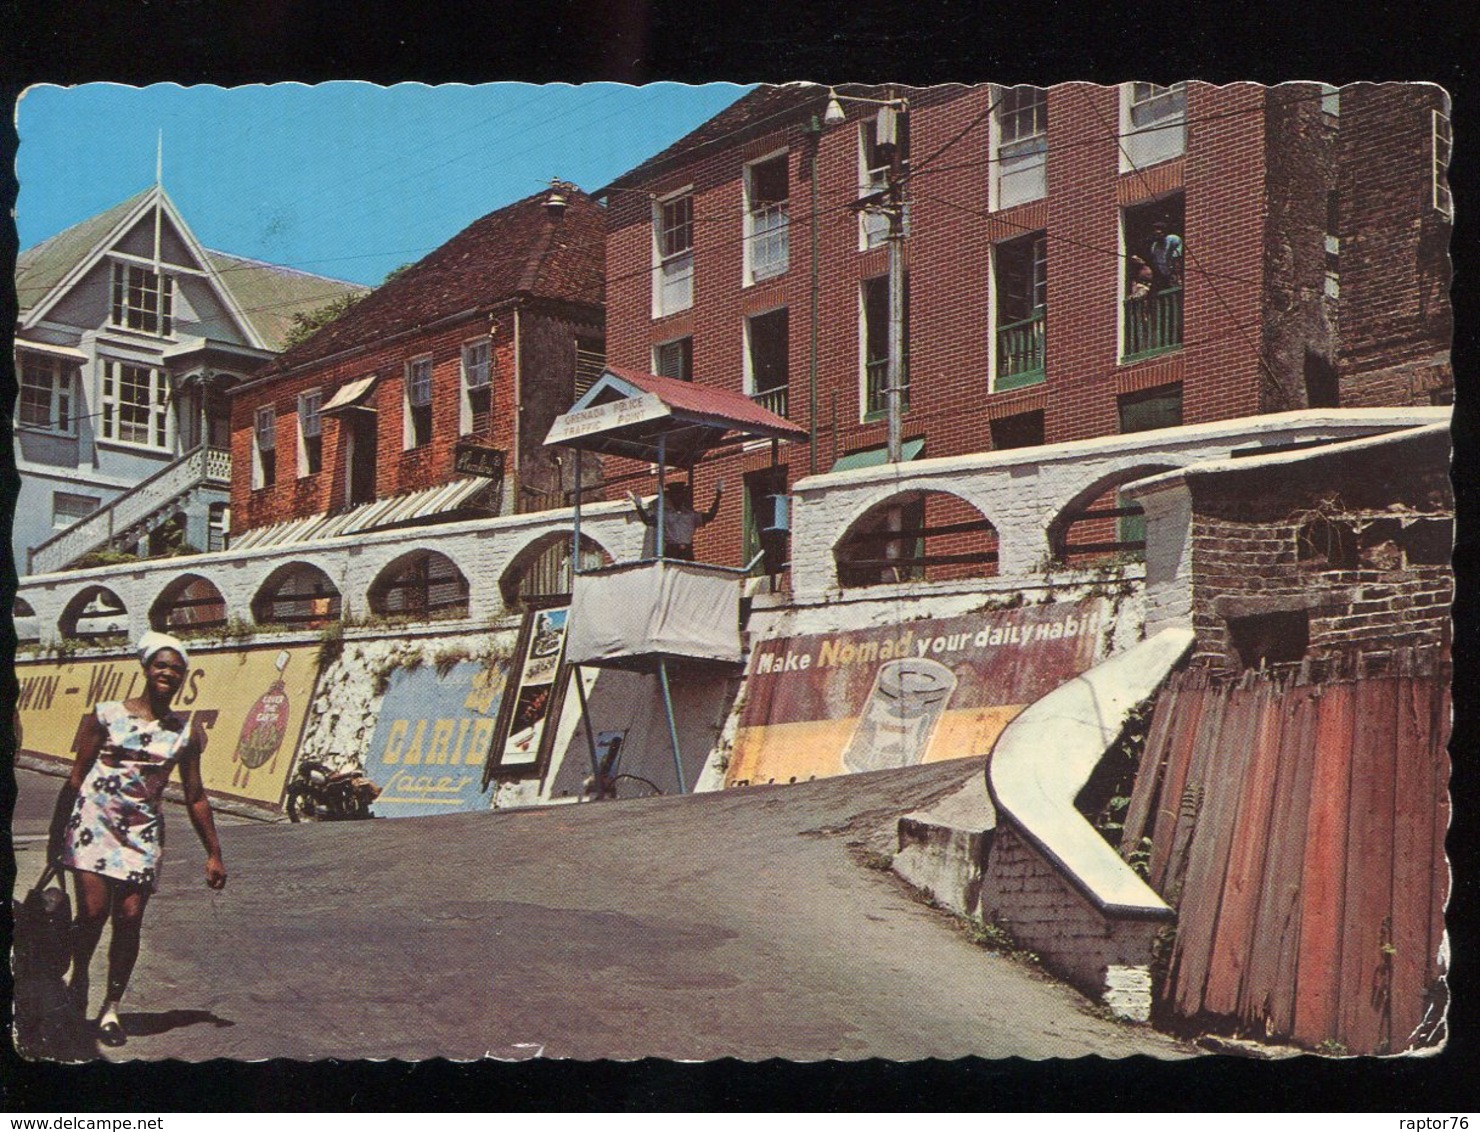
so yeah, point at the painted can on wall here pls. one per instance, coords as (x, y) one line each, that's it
(900, 714)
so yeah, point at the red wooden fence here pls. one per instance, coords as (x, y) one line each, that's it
(1298, 828)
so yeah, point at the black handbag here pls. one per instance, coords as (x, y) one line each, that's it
(47, 1023)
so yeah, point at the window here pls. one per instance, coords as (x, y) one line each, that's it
(875, 342)
(1443, 145)
(218, 526)
(673, 247)
(45, 400)
(1021, 146)
(767, 346)
(1152, 235)
(1021, 430)
(418, 430)
(310, 433)
(1153, 124)
(1021, 287)
(873, 169)
(477, 387)
(67, 508)
(590, 362)
(1333, 246)
(674, 359)
(767, 243)
(134, 405)
(143, 299)
(264, 448)
(1151, 408)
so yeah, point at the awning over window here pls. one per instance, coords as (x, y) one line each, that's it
(396, 511)
(873, 457)
(351, 396)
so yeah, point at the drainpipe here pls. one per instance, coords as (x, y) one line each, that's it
(517, 478)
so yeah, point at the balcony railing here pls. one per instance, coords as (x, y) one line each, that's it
(1020, 352)
(776, 400)
(770, 240)
(1153, 324)
(133, 509)
(876, 392)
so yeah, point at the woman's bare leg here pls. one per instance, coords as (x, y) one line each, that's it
(129, 901)
(94, 898)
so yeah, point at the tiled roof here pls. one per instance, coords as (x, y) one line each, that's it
(270, 295)
(40, 268)
(766, 108)
(706, 400)
(517, 250)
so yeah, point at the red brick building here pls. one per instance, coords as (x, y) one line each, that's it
(1314, 273)
(477, 346)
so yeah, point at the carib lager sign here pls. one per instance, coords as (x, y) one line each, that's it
(433, 736)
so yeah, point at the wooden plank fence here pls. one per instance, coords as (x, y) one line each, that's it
(1298, 826)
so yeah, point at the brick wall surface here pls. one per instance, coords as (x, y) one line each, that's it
(1253, 186)
(1028, 895)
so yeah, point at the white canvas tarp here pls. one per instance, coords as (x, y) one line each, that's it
(622, 614)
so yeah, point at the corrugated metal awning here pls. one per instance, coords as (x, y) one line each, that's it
(873, 457)
(398, 510)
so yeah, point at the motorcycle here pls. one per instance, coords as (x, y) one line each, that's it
(320, 794)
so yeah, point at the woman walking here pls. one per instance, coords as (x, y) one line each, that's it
(108, 827)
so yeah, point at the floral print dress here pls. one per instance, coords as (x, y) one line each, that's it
(117, 824)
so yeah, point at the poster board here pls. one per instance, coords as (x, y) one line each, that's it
(533, 698)
(434, 733)
(923, 691)
(251, 702)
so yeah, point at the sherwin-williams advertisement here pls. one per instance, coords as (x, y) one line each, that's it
(434, 733)
(251, 702)
(921, 691)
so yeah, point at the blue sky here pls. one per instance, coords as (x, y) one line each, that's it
(344, 179)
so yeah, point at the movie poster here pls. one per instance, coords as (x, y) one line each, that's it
(538, 664)
(920, 691)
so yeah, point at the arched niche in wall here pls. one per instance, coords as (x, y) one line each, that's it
(539, 575)
(298, 594)
(1099, 525)
(917, 536)
(422, 585)
(189, 602)
(95, 614)
(27, 626)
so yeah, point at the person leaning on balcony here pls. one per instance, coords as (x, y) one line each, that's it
(1141, 278)
(108, 826)
(680, 520)
(1166, 256)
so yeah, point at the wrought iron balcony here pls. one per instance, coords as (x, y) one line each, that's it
(776, 400)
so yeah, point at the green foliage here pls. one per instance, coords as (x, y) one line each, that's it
(306, 324)
(96, 558)
(1330, 1047)
(331, 644)
(997, 939)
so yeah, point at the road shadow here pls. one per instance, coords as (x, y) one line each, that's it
(145, 1024)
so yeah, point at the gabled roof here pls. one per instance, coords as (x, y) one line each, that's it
(262, 295)
(626, 411)
(516, 251)
(38, 269)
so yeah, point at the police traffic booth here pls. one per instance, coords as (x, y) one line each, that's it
(657, 612)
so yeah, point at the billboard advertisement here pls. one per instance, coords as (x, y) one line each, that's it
(535, 693)
(919, 691)
(251, 702)
(434, 733)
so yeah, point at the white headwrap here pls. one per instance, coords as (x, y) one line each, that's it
(151, 642)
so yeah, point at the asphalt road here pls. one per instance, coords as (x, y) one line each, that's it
(738, 924)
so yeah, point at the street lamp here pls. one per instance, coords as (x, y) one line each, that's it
(890, 202)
